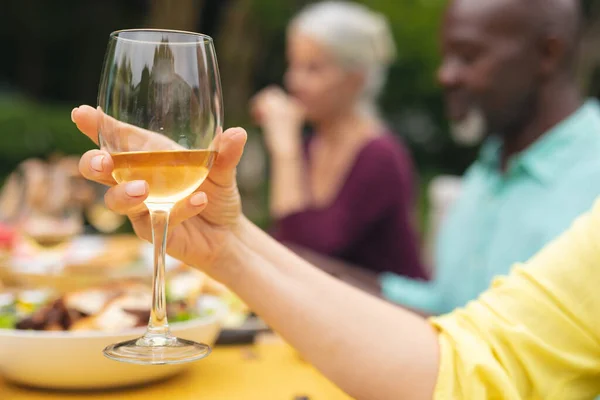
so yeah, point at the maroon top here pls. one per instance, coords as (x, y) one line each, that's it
(369, 223)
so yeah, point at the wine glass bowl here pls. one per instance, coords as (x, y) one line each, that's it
(52, 220)
(49, 213)
(159, 113)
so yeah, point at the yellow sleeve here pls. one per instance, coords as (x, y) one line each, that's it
(534, 334)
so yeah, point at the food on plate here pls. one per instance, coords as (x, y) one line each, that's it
(108, 308)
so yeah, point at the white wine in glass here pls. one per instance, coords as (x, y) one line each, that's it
(160, 111)
(171, 175)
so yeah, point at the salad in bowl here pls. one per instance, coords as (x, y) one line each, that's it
(55, 339)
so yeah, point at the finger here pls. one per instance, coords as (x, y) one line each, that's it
(264, 97)
(231, 147)
(256, 116)
(183, 210)
(188, 208)
(279, 93)
(127, 198)
(86, 119)
(259, 102)
(97, 166)
(274, 89)
(118, 136)
(256, 110)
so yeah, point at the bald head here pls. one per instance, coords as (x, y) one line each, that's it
(559, 20)
(499, 55)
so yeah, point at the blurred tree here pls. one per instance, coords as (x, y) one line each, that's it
(53, 51)
(33, 130)
(589, 61)
(239, 47)
(181, 14)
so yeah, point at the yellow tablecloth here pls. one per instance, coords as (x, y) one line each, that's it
(270, 371)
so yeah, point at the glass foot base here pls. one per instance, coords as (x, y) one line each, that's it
(157, 350)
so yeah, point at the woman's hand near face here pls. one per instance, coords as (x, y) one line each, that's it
(281, 118)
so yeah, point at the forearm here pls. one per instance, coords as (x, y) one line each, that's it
(288, 183)
(371, 349)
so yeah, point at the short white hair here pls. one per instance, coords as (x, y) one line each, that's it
(358, 37)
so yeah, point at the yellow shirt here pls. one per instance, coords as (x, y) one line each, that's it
(536, 333)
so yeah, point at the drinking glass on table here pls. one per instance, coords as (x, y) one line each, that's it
(50, 212)
(160, 110)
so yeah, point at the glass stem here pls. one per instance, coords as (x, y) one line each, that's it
(158, 324)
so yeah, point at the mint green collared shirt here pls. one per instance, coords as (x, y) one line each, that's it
(503, 218)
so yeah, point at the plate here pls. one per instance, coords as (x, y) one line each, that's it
(74, 360)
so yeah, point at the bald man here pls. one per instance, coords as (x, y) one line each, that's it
(508, 70)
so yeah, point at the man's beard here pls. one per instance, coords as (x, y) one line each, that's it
(471, 130)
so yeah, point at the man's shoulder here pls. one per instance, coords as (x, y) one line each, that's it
(584, 172)
(584, 158)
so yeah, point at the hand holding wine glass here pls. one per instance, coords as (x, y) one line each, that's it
(197, 228)
(159, 118)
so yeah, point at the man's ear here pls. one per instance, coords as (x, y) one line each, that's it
(553, 51)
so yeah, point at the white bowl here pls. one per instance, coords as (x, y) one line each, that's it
(74, 360)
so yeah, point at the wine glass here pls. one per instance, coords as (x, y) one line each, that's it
(46, 213)
(160, 111)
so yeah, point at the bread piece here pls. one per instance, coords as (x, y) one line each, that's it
(89, 302)
(114, 317)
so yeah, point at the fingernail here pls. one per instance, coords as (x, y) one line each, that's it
(198, 199)
(237, 132)
(96, 163)
(73, 113)
(136, 188)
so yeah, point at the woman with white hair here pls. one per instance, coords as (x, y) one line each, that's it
(338, 55)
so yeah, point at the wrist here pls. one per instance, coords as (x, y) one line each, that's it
(284, 142)
(230, 258)
(287, 153)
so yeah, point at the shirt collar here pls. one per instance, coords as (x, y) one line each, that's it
(554, 151)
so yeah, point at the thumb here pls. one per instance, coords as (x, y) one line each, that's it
(230, 145)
